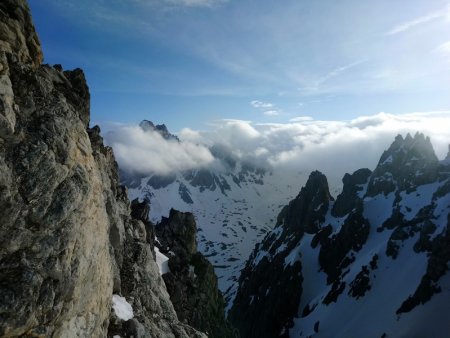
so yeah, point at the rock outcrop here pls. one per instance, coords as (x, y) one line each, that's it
(68, 239)
(191, 282)
(408, 162)
(270, 285)
(161, 129)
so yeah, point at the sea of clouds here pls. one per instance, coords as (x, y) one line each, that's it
(303, 144)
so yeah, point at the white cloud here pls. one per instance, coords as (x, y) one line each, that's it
(147, 152)
(301, 119)
(415, 22)
(445, 48)
(334, 147)
(260, 104)
(304, 144)
(338, 71)
(271, 113)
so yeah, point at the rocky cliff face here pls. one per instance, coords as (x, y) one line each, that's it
(191, 282)
(270, 286)
(68, 239)
(373, 263)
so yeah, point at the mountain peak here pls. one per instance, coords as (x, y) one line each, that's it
(161, 129)
(409, 148)
(309, 206)
(408, 162)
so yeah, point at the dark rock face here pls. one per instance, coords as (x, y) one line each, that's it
(307, 211)
(79, 90)
(191, 282)
(346, 201)
(267, 299)
(270, 286)
(406, 164)
(160, 181)
(178, 232)
(185, 194)
(68, 239)
(361, 284)
(334, 252)
(201, 178)
(205, 179)
(159, 128)
(437, 267)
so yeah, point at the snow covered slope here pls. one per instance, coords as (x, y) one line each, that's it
(233, 210)
(372, 263)
(234, 205)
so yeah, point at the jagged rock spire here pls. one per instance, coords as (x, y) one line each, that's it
(147, 125)
(312, 201)
(352, 184)
(408, 162)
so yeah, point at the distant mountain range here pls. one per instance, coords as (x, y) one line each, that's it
(371, 263)
(234, 206)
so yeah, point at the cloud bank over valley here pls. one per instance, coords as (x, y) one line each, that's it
(333, 147)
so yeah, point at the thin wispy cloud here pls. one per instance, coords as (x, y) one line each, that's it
(195, 3)
(321, 84)
(415, 22)
(260, 104)
(338, 71)
(301, 119)
(271, 113)
(445, 48)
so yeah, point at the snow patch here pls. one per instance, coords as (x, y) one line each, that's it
(387, 160)
(413, 202)
(122, 308)
(293, 257)
(260, 256)
(162, 261)
(378, 209)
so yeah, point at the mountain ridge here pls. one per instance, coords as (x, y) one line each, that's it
(384, 238)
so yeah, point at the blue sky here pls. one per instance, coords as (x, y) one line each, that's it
(187, 63)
